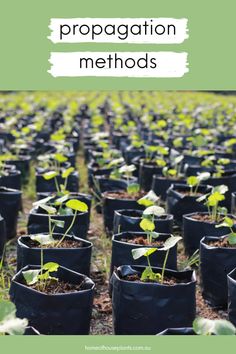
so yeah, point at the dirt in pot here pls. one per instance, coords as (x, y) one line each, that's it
(59, 287)
(142, 240)
(206, 218)
(167, 280)
(64, 244)
(221, 243)
(125, 195)
(189, 194)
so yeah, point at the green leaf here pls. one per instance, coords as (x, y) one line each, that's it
(228, 222)
(204, 326)
(149, 199)
(154, 210)
(7, 309)
(133, 188)
(66, 173)
(171, 242)
(232, 238)
(31, 276)
(50, 175)
(51, 266)
(77, 205)
(60, 158)
(147, 225)
(62, 199)
(42, 239)
(192, 181)
(42, 201)
(148, 274)
(49, 209)
(214, 198)
(58, 223)
(142, 251)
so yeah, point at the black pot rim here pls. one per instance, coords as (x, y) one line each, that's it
(206, 238)
(136, 233)
(34, 291)
(188, 217)
(120, 212)
(193, 277)
(22, 244)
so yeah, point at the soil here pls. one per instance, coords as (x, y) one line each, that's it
(64, 244)
(125, 195)
(221, 243)
(188, 193)
(166, 281)
(205, 218)
(140, 240)
(60, 287)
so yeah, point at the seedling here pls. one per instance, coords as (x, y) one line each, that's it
(204, 326)
(149, 199)
(228, 222)
(73, 206)
(148, 274)
(41, 277)
(212, 201)
(194, 181)
(147, 223)
(175, 170)
(9, 323)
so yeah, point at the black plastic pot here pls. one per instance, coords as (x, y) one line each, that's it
(105, 184)
(231, 277)
(43, 185)
(121, 252)
(178, 203)
(194, 230)
(2, 236)
(10, 205)
(161, 184)
(23, 165)
(111, 204)
(12, 180)
(129, 220)
(215, 264)
(77, 259)
(95, 170)
(185, 331)
(38, 223)
(149, 308)
(146, 173)
(233, 203)
(67, 313)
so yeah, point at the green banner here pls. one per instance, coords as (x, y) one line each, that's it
(25, 48)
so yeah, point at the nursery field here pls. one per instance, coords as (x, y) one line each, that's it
(117, 213)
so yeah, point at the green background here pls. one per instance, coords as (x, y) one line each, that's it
(25, 49)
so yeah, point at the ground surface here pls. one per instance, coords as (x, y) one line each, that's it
(102, 312)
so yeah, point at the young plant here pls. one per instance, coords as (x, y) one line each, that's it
(147, 223)
(212, 201)
(204, 326)
(61, 189)
(9, 323)
(228, 222)
(194, 181)
(41, 277)
(175, 170)
(73, 205)
(148, 274)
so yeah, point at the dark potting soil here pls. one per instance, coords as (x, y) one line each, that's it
(221, 243)
(59, 287)
(125, 195)
(167, 280)
(140, 240)
(64, 244)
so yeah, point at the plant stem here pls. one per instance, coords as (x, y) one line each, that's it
(164, 266)
(68, 230)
